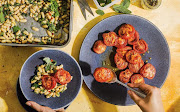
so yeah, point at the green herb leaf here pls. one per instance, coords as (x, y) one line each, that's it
(35, 85)
(2, 33)
(100, 12)
(54, 7)
(49, 64)
(125, 3)
(121, 9)
(2, 19)
(16, 29)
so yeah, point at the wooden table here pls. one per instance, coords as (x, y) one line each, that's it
(166, 18)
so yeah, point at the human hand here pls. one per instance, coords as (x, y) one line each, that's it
(152, 102)
(40, 108)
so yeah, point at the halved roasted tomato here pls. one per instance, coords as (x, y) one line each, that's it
(110, 39)
(134, 39)
(137, 78)
(120, 62)
(102, 74)
(135, 68)
(124, 76)
(48, 82)
(99, 47)
(63, 77)
(121, 42)
(133, 57)
(141, 46)
(148, 71)
(122, 51)
(126, 31)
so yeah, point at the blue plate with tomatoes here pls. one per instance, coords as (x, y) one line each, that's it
(155, 51)
(69, 64)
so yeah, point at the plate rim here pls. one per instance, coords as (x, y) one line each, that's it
(58, 51)
(130, 15)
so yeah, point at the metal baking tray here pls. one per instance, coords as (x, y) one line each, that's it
(42, 32)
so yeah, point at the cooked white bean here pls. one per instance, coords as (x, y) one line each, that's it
(37, 40)
(35, 29)
(49, 33)
(25, 32)
(2, 38)
(30, 35)
(45, 26)
(16, 17)
(23, 20)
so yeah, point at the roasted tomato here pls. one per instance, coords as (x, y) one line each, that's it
(102, 74)
(62, 76)
(124, 76)
(126, 31)
(135, 68)
(148, 71)
(110, 39)
(122, 51)
(133, 57)
(120, 62)
(48, 82)
(134, 39)
(121, 42)
(99, 47)
(141, 46)
(137, 78)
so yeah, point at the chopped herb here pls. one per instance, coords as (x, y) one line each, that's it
(16, 29)
(50, 64)
(2, 33)
(16, 4)
(35, 85)
(2, 19)
(40, 43)
(54, 7)
(24, 14)
(100, 12)
(52, 27)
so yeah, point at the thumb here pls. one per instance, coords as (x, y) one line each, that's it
(35, 106)
(135, 97)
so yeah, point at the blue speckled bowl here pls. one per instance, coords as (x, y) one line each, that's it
(69, 63)
(89, 61)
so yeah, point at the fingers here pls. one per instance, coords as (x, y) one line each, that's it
(60, 110)
(135, 97)
(144, 87)
(38, 107)
(34, 105)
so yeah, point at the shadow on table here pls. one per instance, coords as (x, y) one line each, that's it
(11, 61)
(98, 104)
(175, 107)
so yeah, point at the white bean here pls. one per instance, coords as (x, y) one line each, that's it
(35, 29)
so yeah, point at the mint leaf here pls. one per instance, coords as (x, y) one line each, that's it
(47, 60)
(49, 64)
(100, 12)
(16, 29)
(121, 9)
(125, 3)
(2, 19)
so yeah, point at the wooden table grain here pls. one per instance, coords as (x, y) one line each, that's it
(166, 18)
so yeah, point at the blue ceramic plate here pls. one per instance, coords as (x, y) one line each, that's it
(69, 64)
(89, 61)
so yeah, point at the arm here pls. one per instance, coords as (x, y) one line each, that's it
(40, 108)
(152, 102)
